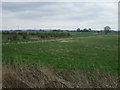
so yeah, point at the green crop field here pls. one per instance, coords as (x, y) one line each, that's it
(72, 53)
(79, 52)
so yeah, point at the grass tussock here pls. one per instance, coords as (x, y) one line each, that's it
(41, 77)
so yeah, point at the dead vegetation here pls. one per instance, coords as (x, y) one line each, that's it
(41, 77)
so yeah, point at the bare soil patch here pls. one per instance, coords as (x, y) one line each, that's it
(116, 35)
(64, 41)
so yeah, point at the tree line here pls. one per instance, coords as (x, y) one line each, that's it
(28, 35)
(106, 30)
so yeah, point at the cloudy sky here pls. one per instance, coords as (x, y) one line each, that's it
(59, 15)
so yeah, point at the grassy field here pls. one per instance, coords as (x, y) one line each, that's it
(80, 52)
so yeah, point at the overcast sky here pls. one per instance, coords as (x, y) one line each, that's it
(59, 15)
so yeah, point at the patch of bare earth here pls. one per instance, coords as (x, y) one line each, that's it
(116, 35)
(41, 77)
(64, 41)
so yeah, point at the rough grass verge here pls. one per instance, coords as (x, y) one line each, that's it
(44, 77)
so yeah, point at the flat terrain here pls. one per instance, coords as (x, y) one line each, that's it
(72, 53)
(87, 53)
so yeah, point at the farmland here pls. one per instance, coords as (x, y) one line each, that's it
(79, 58)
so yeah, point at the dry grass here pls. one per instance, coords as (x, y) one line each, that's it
(41, 77)
(0, 78)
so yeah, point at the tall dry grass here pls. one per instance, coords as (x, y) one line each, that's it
(41, 77)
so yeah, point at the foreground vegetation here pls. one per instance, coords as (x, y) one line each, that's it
(80, 60)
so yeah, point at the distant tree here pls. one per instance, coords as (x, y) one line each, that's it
(107, 29)
(85, 30)
(90, 29)
(25, 36)
(98, 32)
(15, 37)
(12, 37)
(78, 30)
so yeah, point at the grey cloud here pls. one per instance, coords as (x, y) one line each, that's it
(60, 12)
